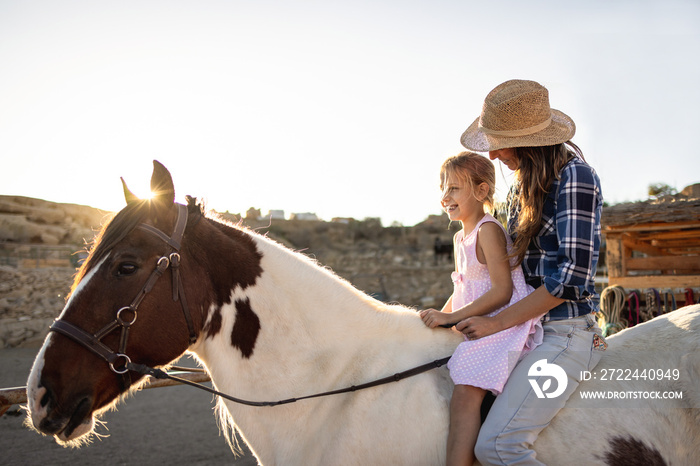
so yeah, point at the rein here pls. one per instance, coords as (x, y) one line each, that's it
(160, 374)
(126, 316)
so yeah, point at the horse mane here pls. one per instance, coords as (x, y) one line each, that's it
(123, 223)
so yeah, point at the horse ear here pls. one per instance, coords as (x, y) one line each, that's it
(128, 195)
(162, 184)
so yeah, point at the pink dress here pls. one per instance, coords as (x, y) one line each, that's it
(487, 362)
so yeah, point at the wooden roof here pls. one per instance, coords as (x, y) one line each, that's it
(666, 210)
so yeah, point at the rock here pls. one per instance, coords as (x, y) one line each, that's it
(48, 238)
(27, 220)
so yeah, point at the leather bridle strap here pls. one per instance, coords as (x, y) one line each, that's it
(126, 316)
(174, 241)
(88, 340)
(179, 295)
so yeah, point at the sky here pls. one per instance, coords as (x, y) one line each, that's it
(341, 108)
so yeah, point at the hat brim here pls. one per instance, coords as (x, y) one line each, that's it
(561, 129)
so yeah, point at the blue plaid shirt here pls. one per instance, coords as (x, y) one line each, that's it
(564, 254)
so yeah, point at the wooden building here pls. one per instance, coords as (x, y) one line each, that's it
(654, 244)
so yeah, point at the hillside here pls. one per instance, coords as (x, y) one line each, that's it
(41, 243)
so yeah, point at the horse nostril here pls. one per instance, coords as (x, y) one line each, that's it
(45, 399)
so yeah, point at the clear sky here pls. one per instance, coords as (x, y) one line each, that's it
(343, 108)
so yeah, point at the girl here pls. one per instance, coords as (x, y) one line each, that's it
(483, 284)
(554, 210)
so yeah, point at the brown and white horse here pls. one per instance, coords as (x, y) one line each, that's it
(269, 324)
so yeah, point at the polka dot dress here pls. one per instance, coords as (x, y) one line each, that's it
(487, 362)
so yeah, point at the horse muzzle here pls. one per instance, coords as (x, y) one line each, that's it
(67, 422)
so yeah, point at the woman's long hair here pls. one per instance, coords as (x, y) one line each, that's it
(537, 169)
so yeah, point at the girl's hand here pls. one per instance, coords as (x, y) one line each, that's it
(433, 318)
(478, 327)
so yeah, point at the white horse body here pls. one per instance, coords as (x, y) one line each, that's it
(318, 333)
(671, 427)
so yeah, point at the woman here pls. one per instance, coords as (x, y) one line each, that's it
(554, 209)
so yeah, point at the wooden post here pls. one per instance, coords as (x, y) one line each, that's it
(613, 256)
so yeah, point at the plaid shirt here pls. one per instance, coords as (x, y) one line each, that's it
(564, 254)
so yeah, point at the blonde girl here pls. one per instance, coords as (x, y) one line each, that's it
(484, 283)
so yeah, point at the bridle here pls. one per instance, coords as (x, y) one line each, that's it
(118, 361)
(126, 316)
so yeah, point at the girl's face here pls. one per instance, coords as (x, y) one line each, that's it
(459, 201)
(507, 156)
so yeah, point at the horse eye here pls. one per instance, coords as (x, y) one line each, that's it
(126, 268)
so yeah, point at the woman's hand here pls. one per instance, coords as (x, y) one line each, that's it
(433, 318)
(478, 327)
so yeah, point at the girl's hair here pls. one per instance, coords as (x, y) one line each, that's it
(537, 169)
(472, 169)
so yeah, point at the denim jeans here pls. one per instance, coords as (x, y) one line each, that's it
(522, 411)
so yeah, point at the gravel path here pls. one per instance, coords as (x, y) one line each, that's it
(171, 425)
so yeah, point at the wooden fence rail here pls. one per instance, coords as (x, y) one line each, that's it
(18, 395)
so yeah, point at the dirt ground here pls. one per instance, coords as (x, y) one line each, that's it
(170, 425)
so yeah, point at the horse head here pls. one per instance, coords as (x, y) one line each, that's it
(130, 303)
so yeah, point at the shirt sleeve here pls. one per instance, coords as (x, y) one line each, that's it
(578, 209)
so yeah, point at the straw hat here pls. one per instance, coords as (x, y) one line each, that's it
(517, 114)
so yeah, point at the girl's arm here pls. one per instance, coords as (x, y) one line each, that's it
(491, 242)
(533, 305)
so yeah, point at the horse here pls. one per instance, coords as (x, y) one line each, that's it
(443, 249)
(269, 323)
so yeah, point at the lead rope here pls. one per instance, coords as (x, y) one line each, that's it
(160, 374)
(612, 302)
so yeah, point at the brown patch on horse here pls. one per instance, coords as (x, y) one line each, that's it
(236, 262)
(232, 260)
(245, 329)
(629, 451)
